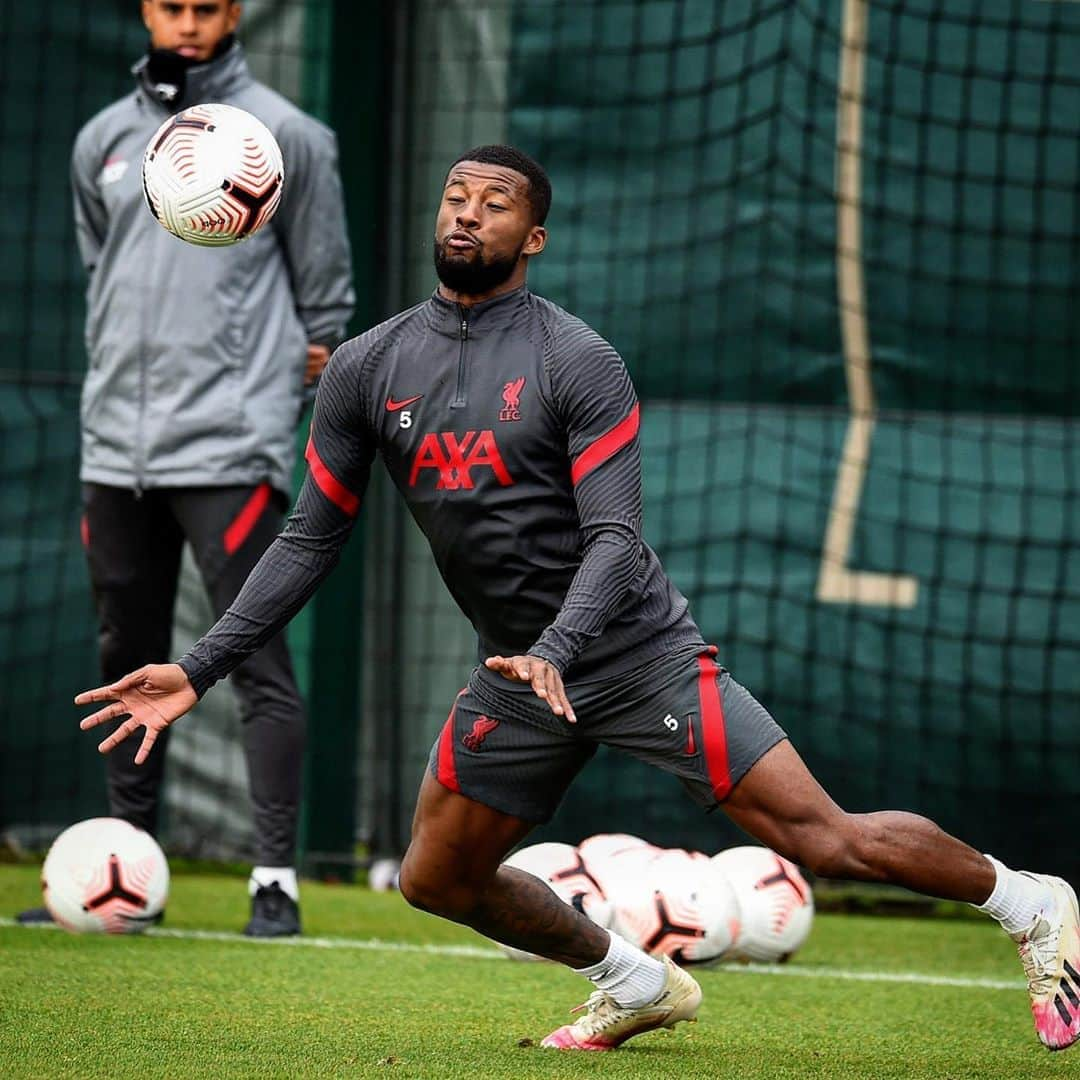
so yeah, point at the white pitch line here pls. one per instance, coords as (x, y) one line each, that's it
(478, 952)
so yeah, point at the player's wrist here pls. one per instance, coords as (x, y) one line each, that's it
(200, 679)
(549, 656)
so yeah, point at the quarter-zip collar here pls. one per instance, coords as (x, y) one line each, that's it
(216, 80)
(497, 313)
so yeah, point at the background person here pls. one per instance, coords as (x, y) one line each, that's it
(198, 362)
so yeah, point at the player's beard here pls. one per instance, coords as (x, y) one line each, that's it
(473, 276)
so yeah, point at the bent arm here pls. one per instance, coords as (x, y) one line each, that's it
(600, 408)
(311, 226)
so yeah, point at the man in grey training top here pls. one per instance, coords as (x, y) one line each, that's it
(199, 359)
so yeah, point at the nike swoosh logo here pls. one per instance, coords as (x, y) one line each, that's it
(393, 406)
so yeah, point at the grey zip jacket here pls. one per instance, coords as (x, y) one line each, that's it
(197, 355)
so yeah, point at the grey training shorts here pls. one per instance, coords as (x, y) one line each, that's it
(503, 747)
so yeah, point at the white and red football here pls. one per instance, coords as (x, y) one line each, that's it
(667, 902)
(775, 904)
(104, 875)
(212, 175)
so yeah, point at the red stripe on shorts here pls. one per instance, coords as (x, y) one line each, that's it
(713, 735)
(240, 528)
(446, 770)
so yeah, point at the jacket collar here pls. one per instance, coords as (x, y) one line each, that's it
(494, 314)
(216, 80)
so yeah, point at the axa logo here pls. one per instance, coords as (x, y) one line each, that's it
(511, 395)
(454, 459)
(482, 727)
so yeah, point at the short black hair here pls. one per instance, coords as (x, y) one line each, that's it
(509, 157)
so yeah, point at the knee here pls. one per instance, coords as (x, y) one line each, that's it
(417, 892)
(433, 890)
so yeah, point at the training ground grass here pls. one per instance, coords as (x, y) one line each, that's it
(865, 998)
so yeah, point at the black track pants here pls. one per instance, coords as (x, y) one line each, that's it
(133, 545)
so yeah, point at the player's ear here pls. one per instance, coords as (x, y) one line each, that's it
(535, 241)
(145, 11)
(233, 19)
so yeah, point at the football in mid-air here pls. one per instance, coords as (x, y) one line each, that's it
(212, 175)
(104, 875)
(775, 907)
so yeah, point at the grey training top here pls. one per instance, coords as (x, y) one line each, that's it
(511, 430)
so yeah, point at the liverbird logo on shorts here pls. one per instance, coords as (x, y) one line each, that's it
(512, 400)
(481, 726)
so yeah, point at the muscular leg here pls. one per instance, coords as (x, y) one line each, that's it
(779, 802)
(452, 869)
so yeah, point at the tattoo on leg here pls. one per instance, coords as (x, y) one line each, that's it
(519, 910)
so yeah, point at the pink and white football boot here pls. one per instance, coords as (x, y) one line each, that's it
(1050, 952)
(606, 1024)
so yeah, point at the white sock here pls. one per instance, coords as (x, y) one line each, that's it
(1017, 898)
(265, 876)
(627, 974)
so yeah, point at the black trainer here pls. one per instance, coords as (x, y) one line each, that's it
(34, 915)
(274, 913)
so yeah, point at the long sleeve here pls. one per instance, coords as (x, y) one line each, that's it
(596, 399)
(339, 454)
(91, 220)
(313, 231)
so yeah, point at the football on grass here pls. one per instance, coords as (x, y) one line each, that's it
(774, 902)
(105, 876)
(212, 175)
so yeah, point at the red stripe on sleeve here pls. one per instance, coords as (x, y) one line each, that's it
(714, 737)
(606, 446)
(240, 528)
(329, 484)
(446, 770)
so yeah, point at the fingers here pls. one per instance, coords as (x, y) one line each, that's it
(118, 736)
(147, 745)
(545, 680)
(547, 684)
(110, 712)
(560, 703)
(113, 690)
(101, 693)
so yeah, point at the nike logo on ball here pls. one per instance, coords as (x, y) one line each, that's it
(393, 406)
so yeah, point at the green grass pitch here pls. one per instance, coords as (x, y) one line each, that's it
(375, 989)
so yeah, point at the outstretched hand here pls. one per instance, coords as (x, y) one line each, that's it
(154, 696)
(545, 679)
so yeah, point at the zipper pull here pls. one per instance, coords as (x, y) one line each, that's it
(464, 329)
